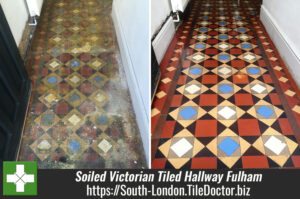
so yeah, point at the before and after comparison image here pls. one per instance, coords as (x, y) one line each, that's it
(150, 84)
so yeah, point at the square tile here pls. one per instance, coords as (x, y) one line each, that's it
(204, 163)
(243, 99)
(226, 112)
(251, 162)
(240, 79)
(208, 100)
(265, 111)
(181, 147)
(228, 146)
(275, 145)
(188, 112)
(206, 128)
(209, 79)
(248, 127)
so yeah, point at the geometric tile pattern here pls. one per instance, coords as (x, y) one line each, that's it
(81, 115)
(231, 103)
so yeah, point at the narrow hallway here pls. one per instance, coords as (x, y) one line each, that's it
(226, 99)
(81, 115)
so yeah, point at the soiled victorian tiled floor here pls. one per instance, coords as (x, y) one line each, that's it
(226, 99)
(81, 115)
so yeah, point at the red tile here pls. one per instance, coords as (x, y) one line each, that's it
(38, 108)
(236, 51)
(182, 79)
(209, 79)
(204, 163)
(234, 41)
(296, 160)
(208, 100)
(248, 127)
(62, 108)
(86, 88)
(168, 129)
(243, 99)
(87, 107)
(65, 57)
(267, 79)
(212, 41)
(88, 132)
(285, 126)
(86, 71)
(206, 128)
(158, 163)
(211, 51)
(186, 63)
(85, 57)
(275, 99)
(240, 79)
(255, 162)
(176, 100)
(237, 63)
(261, 63)
(63, 88)
(210, 63)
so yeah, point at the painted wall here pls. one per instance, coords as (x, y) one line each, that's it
(132, 27)
(281, 19)
(179, 4)
(16, 15)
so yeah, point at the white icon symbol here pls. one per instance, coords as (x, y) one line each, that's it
(20, 178)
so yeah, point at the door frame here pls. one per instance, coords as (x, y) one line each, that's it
(14, 138)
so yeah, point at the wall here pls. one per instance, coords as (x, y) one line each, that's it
(131, 23)
(16, 15)
(281, 21)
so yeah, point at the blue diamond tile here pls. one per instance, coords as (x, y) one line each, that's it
(205, 18)
(203, 29)
(98, 79)
(196, 71)
(74, 97)
(224, 57)
(223, 37)
(47, 119)
(52, 80)
(188, 112)
(265, 111)
(222, 23)
(102, 120)
(74, 146)
(228, 146)
(75, 64)
(246, 46)
(241, 29)
(225, 88)
(253, 71)
(200, 46)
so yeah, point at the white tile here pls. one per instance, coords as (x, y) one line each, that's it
(44, 145)
(249, 57)
(258, 88)
(226, 112)
(222, 29)
(104, 145)
(193, 89)
(244, 37)
(198, 57)
(223, 46)
(275, 145)
(225, 71)
(201, 37)
(181, 147)
(74, 119)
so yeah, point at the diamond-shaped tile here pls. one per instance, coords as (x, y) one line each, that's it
(228, 145)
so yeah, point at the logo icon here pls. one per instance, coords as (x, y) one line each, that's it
(19, 178)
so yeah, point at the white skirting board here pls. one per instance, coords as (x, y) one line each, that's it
(163, 39)
(282, 43)
(137, 101)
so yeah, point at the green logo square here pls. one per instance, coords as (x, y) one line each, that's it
(19, 178)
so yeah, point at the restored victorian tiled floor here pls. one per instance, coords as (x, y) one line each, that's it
(81, 115)
(226, 99)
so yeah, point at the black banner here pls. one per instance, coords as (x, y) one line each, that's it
(166, 184)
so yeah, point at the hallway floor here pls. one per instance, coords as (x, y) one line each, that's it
(226, 99)
(80, 115)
